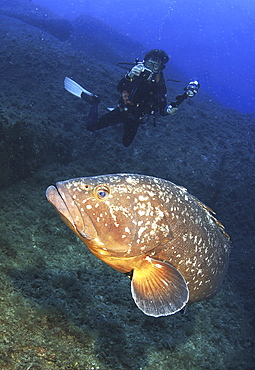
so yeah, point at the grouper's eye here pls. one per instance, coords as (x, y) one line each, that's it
(102, 191)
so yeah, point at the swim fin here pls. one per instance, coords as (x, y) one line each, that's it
(77, 90)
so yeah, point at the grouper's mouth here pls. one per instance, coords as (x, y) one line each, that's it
(70, 213)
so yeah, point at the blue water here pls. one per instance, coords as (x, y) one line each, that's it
(208, 40)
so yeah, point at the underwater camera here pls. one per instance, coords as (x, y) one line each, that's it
(146, 74)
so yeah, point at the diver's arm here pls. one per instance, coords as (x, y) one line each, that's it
(135, 71)
(190, 91)
(125, 84)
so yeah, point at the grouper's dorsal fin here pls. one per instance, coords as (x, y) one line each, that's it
(158, 289)
(211, 214)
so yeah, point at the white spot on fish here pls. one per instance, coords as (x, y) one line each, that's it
(132, 180)
(99, 242)
(142, 198)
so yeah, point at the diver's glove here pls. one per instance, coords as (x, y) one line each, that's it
(169, 109)
(192, 88)
(136, 70)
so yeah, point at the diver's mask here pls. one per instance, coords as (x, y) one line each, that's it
(155, 66)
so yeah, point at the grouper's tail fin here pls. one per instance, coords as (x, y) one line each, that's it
(74, 88)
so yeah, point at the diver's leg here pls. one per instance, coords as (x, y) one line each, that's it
(110, 118)
(92, 118)
(130, 130)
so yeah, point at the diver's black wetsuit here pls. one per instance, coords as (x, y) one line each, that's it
(139, 97)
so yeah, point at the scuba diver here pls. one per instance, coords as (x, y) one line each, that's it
(143, 94)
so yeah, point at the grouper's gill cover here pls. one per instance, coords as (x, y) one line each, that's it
(167, 240)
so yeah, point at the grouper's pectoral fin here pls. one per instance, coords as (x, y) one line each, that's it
(158, 289)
